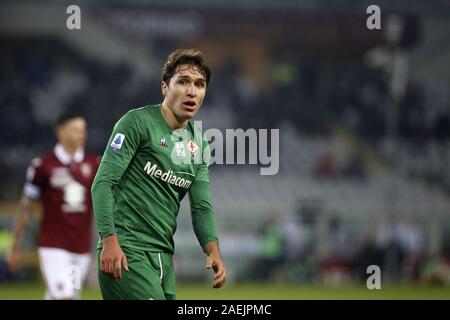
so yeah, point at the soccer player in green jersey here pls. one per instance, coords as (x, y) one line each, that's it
(155, 155)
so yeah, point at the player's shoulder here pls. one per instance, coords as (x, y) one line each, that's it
(43, 158)
(46, 159)
(140, 114)
(142, 111)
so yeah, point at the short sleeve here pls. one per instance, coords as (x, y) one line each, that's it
(35, 179)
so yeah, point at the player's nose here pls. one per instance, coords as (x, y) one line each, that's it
(191, 91)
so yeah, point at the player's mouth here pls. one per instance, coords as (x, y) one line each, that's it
(189, 105)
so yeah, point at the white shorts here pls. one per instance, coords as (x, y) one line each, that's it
(63, 271)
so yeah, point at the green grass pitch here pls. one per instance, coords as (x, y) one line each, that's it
(253, 291)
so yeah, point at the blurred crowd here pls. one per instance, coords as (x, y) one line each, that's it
(295, 248)
(41, 78)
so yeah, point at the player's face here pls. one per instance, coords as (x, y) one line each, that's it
(73, 134)
(185, 92)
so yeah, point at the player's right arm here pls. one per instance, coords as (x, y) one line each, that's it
(22, 217)
(122, 146)
(34, 182)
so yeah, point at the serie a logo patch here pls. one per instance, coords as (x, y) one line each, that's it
(117, 142)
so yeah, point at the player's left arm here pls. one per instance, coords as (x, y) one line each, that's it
(215, 261)
(204, 222)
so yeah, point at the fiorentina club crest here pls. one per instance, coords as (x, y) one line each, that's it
(192, 148)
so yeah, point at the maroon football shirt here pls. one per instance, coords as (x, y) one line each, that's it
(63, 184)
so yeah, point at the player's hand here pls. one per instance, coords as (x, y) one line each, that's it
(220, 274)
(12, 259)
(112, 258)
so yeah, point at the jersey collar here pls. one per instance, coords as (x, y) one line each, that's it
(65, 158)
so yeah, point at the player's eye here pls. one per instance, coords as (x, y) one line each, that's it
(183, 82)
(200, 84)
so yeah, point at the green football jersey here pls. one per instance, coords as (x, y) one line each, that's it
(146, 170)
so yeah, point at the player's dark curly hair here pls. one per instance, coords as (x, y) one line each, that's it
(185, 56)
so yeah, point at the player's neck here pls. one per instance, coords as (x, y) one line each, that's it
(70, 150)
(171, 119)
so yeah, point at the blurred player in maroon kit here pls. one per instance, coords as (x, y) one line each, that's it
(61, 180)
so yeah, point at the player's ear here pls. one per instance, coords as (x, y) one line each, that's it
(164, 88)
